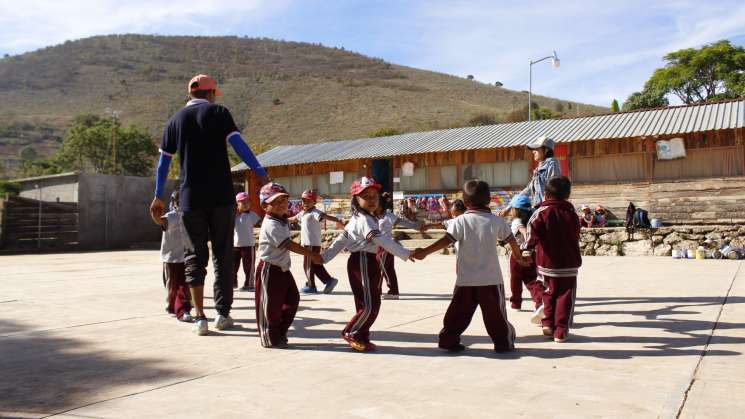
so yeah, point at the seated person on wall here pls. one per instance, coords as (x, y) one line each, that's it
(587, 218)
(599, 216)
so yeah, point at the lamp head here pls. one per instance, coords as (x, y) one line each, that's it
(555, 60)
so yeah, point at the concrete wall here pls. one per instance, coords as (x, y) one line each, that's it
(53, 189)
(114, 211)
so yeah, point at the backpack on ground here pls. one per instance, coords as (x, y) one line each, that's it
(641, 219)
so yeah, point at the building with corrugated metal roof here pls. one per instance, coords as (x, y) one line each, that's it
(603, 150)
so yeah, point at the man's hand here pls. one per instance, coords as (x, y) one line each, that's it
(157, 209)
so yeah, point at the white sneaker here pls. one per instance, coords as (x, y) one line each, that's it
(537, 315)
(186, 317)
(223, 322)
(562, 339)
(200, 326)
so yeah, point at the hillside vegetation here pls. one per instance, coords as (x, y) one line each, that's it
(279, 92)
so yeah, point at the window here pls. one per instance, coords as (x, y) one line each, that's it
(325, 188)
(514, 173)
(418, 182)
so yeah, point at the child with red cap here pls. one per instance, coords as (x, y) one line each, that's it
(310, 219)
(362, 237)
(243, 241)
(276, 296)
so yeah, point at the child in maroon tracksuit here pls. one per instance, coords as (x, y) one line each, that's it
(553, 234)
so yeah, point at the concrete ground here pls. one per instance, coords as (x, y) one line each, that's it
(85, 335)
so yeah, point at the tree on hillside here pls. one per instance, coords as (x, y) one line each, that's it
(482, 119)
(614, 106)
(89, 147)
(714, 71)
(645, 99)
(28, 153)
(384, 132)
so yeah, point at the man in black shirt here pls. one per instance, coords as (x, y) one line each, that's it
(200, 133)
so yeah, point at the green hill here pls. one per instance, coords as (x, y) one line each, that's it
(279, 92)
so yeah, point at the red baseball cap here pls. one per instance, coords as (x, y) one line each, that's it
(270, 191)
(310, 194)
(203, 82)
(363, 183)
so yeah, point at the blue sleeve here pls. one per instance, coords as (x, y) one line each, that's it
(161, 174)
(245, 153)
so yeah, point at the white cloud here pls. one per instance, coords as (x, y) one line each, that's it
(38, 23)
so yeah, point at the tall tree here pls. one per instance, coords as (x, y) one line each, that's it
(101, 145)
(614, 106)
(714, 71)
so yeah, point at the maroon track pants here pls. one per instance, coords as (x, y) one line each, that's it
(247, 255)
(460, 312)
(365, 279)
(558, 304)
(312, 269)
(388, 269)
(179, 296)
(277, 300)
(527, 275)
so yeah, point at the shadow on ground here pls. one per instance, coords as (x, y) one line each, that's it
(44, 374)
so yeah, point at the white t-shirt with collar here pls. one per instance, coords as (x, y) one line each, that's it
(244, 229)
(274, 237)
(310, 226)
(476, 233)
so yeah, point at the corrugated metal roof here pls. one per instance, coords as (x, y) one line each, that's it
(662, 121)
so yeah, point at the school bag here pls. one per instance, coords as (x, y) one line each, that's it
(641, 219)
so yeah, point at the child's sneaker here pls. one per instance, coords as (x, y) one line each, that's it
(186, 317)
(354, 343)
(390, 296)
(516, 306)
(369, 346)
(200, 326)
(223, 322)
(548, 331)
(457, 348)
(309, 290)
(562, 338)
(330, 286)
(537, 315)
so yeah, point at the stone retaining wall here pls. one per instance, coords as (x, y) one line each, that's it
(655, 242)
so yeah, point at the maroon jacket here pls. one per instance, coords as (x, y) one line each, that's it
(553, 232)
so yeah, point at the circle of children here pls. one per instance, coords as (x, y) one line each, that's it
(543, 239)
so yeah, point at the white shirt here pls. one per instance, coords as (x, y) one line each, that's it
(391, 220)
(515, 227)
(243, 235)
(310, 226)
(274, 237)
(362, 234)
(174, 241)
(477, 233)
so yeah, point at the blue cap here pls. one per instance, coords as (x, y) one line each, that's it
(520, 202)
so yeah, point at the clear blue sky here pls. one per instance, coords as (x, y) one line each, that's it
(607, 49)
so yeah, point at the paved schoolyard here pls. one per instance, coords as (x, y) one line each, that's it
(85, 335)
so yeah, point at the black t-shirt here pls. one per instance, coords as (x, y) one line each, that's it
(199, 134)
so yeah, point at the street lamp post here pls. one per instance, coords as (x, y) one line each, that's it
(555, 62)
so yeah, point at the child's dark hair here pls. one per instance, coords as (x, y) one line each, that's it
(559, 188)
(458, 205)
(548, 152)
(476, 193)
(524, 215)
(357, 209)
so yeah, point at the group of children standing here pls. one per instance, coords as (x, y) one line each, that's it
(544, 244)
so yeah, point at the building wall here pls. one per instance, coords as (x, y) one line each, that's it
(62, 189)
(114, 211)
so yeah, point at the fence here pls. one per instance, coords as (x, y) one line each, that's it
(29, 224)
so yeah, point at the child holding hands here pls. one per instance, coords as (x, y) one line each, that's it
(479, 278)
